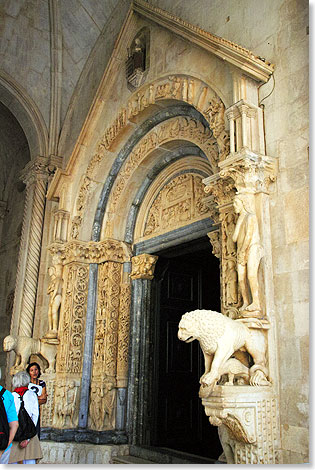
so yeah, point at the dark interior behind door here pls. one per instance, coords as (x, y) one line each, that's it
(185, 279)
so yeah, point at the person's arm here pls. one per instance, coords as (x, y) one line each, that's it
(43, 397)
(13, 427)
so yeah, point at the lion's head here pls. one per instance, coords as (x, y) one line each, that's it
(9, 343)
(187, 328)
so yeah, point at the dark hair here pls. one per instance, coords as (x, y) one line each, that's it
(31, 365)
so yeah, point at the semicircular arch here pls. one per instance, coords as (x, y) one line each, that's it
(25, 110)
(175, 133)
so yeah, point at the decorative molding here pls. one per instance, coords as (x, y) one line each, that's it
(242, 58)
(80, 453)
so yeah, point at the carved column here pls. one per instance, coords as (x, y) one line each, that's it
(138, 413)
(247, 416)
(35, 175)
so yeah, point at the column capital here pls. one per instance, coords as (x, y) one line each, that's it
(35, 170)
(251, 172)
(143, 266)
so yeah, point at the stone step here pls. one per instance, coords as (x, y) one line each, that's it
(131, 460)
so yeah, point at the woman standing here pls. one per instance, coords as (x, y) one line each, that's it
(28, 450)
(38, 386)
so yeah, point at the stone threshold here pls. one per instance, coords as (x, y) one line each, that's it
(163, 455)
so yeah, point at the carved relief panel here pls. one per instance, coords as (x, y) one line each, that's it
(72, 321)
(110, 360)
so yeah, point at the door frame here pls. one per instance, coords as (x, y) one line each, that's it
(139, 395)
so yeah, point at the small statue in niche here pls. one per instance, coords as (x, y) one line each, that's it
(249, 253)
(136, 63)
(55, 292)
(220, 338)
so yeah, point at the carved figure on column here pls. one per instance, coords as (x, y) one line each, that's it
(97, 407)
(55, 292)
(69, 408)
(109, 404)
(231, 283)
(249, 253)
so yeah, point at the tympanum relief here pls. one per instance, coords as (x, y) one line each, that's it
(180, 202)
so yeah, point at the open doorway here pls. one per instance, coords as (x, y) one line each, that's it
(187, 277)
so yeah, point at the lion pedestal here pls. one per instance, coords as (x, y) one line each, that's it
(247, 421)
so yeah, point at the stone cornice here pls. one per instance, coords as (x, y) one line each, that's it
(228, 51)
(91, 252)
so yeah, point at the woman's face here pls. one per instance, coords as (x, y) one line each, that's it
(34, 372)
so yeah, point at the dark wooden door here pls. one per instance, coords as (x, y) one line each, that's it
(184, 282)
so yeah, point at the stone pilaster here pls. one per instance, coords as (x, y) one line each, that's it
(138, 413)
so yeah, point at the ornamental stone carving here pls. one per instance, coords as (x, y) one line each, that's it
(91, 252)
(72, 319)
(66, 403)
(143, 266)
(247, 421)
(249, 171)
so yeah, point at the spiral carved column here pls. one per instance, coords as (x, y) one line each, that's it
(35, 176)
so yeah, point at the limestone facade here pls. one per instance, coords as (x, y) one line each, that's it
(206, 137)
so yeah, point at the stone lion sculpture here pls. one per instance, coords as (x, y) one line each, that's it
(24, 347)
(219, 338)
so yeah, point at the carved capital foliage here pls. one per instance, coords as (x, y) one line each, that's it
(250, 172)
(143, 266)
(91, 252)
(35, 170)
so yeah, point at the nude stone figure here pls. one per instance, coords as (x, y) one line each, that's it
(55, 291)
(249, 254)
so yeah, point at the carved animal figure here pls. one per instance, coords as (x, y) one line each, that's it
(219, 337)
(234, 369)
(24, 347)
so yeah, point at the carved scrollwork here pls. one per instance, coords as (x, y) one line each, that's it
(70, 351)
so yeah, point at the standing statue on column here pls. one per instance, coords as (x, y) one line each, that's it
(55, 292)
(249, 253)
